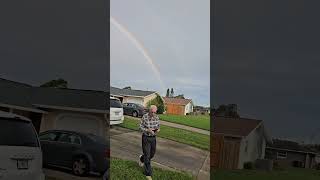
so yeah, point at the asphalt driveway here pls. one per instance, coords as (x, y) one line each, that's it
(126, 144)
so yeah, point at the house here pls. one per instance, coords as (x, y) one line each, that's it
(128, 95)
(291, 154)
(236, 141)
(177, 106)
(52, 108)
(201, 110)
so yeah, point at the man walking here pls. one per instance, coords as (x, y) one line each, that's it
(150, 126)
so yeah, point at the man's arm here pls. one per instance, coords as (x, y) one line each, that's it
(142, 126)
(158, 126)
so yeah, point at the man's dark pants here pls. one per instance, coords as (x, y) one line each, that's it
(149, 144)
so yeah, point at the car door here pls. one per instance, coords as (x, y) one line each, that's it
(130, 108)
(69, 144)
(125, 108)
(48, 145)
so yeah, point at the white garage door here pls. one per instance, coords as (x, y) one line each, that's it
(81, 123)
(134, 100)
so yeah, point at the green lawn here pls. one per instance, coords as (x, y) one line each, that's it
(292, 174)
(183, 136)
(201, 121)
(122, 169)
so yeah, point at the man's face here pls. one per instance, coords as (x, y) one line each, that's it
(153, 110)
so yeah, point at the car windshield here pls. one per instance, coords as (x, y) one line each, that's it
(114, 103)
(17, 133)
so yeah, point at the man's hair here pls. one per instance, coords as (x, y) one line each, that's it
(153, 106)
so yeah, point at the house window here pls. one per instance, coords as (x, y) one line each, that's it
(281, 155)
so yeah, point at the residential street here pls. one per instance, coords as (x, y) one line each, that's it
(126, 144)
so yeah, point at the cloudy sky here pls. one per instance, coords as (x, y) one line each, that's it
(175, 34)
(266, 60)
(45, 40)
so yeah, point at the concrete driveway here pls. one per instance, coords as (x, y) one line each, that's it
(126, 144)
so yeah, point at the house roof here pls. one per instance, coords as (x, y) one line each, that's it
(26, 96)
(130, 92)
(288, 145)
(239, 127)
(176, 101)
(15, 93)
(74, 98)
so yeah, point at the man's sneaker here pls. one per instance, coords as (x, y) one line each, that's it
(141, 164)
(149, 177)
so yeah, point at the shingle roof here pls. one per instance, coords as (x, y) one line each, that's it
(129, 92)
(176, 101)
(15, 93)
(75, 98)
(234, 126)
(24, 95)
(288, 145)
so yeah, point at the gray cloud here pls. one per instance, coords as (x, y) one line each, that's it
(176, 35)
(44, 40)
(266, 60)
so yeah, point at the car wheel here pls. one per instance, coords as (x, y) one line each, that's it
(80, 166)
(135, 114)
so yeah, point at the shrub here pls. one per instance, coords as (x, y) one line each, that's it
(248, 165)
(158, 101)
(277, 165)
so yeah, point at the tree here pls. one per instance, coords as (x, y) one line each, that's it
(168, 93)
(128, 87)
(157, 101)
(229, 110)
(59, 83)
(172, 93)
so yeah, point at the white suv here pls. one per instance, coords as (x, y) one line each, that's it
(116, 111)
(20, 152)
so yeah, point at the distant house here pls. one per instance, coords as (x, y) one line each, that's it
(201, 110)
(177, 106)
(236, 141)
(129, 95)
(291, 154)
(52, 108)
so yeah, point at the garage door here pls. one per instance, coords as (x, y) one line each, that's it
(81, 123)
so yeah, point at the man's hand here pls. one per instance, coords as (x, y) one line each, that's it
(158, 130)
(151, 131)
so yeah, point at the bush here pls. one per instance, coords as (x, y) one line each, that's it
(158, 101)
(248, 165)
(277, 165)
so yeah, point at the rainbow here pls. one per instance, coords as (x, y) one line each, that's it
(141, 48)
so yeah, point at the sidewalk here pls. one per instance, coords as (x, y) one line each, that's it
(126, 144)
(180, 126)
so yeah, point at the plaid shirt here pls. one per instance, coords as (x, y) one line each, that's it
(149, 122)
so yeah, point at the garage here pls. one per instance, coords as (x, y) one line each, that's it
(81, 123)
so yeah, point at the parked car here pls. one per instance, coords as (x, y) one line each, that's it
(116, 111)
(80, 152)
(20, 151)
(133, 109)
